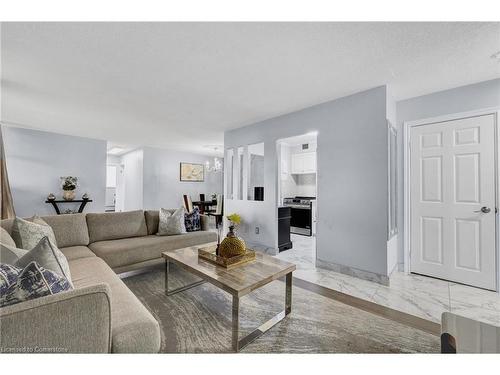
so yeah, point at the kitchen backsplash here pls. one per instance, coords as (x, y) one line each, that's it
(306, 185)
(299, 185)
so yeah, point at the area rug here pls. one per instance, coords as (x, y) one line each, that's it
(198, 320)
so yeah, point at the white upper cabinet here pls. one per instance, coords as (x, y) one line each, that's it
(304, 163)
(285, 153)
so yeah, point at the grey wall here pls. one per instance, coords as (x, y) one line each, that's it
(36, 160)
(352, 178)
(162, 185)
(478, 96)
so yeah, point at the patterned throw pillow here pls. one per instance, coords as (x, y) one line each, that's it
(48, 256)
(171, 223)
(18, 285)
(192, 220)
(27, 234)
(8, 276)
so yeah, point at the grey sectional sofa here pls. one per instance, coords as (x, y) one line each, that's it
(101, 314)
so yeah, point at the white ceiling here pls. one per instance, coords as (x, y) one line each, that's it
(180, 85)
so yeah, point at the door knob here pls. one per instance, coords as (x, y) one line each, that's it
(484, 210)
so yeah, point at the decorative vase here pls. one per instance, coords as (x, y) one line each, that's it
(232, 245)
(69, 195)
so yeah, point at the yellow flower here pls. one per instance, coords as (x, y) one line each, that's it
(234, 218)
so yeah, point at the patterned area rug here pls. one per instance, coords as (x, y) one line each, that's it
(198, 320)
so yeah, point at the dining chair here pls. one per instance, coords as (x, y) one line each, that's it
(219, 210)
(188, 203)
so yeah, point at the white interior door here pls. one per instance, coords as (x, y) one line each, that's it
(452, 197)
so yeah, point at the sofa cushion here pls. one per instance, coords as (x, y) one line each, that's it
(76, 252)
(5, 238)
(114, 225)
(134, 329)
(126, 251)
(27, 233)
(152, 220)
(70, 230)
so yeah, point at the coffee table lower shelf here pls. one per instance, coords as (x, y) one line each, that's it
(236, 342)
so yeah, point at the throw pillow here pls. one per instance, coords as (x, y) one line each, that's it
(171, 223)
(8, 276)
(27, 234)
(18, 285)
(47, 256)
(192, 220)
(10, 254)
(5, 238)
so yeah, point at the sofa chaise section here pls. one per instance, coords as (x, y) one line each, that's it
(134, 329)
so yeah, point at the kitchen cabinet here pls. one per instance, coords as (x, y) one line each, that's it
(285, 153)
(304, 162)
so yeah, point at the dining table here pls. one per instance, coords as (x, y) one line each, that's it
(205, 206)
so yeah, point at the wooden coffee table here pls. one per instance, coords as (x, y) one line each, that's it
(237, 281)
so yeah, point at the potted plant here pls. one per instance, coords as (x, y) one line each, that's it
(69, 184)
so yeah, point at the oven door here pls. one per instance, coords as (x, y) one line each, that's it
(301, 221)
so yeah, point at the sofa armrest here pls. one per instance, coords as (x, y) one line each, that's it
(75, 321)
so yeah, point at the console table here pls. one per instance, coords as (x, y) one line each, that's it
(55, 203)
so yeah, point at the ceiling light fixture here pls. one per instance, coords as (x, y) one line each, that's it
(217, 163)
(115, 150)
(216, 167)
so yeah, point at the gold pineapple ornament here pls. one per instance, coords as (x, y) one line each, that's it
(232, 245)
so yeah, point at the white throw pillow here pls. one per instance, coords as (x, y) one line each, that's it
(171, 223)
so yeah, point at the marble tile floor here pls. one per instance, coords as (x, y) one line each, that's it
(413, 294)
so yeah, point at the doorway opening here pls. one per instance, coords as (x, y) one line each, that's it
(297, 199)
(114, 197)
